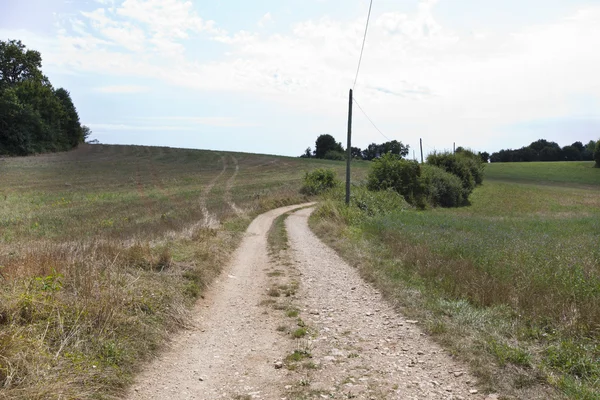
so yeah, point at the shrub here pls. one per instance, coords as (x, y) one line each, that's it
(475, 164)
(443, 188)
(402, 176)
(335, 155)
(597, 154)
(457, 165)
(318, 181)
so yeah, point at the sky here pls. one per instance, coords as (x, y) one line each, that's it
(269, 76)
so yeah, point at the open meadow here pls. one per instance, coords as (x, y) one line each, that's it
(510, 283)
(104, 249)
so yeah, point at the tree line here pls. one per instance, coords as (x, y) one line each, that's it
(34, 116)
(326, 147)
(543, 150)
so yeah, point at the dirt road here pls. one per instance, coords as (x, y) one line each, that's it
(332, 337)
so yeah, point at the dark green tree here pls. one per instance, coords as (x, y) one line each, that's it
(18, 64)
(325, 144)
(34, 117)
(597, 154)
(571, 153)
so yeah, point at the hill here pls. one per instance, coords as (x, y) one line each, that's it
(104, 249)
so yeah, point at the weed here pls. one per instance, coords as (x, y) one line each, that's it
(299, 333)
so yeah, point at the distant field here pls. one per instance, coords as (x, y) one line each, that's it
(512, 280)
(577, 173)
(104, 249)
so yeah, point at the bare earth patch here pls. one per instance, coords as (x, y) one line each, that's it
(333, 337)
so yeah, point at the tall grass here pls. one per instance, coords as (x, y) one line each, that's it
(524, 258)
(102, 253)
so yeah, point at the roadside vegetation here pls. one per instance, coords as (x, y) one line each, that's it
(104, 249)
(509, 281)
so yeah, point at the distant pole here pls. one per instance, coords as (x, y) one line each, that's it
(454, 148)
(349, 149)
(421, 140)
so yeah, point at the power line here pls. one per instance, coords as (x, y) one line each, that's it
(363, 45)
(370, 120)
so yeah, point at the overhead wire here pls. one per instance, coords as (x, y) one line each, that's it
(370, 120)
(363, 45)
(358, 71)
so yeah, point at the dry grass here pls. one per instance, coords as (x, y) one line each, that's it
(103, 251)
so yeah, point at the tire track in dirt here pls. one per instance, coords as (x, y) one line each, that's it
(363, 348)
(357, 345)
(211, 220)
(229, 185)
(229, 351)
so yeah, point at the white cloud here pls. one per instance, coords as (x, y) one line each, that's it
(266, 19)
(123, 89)
(415, 71)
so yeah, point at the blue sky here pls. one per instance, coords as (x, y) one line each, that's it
(270, 76)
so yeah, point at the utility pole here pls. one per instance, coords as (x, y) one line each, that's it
(454, 148)
(349, 149)
(421, 140)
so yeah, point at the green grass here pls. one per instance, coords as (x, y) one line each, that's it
(568, 173)
(102, 249)
(513, 279)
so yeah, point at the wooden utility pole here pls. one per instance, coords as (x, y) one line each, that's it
(454, 148)
(421, 140)
(349, 149)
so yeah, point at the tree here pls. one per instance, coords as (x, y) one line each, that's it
(588, 152)
(550, 153)
(395, 147)
(33, 116)
(597, 154)
(356, 152)
(371, 152)
(307, 153)
(485, 156)
(18, 64)
(70, 124)
(571, 153)
(326, 143)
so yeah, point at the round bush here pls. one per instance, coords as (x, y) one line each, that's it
(318, 181)
(459, 166)
(402, 176)
(443, 188)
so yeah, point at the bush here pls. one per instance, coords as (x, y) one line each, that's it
(457, 165)
(318, 181)
(597, 154)
(402, 176)
(335, 155)
(475, 164)
(443, 188)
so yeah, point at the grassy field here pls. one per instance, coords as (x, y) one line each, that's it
(104, 249)
(511, 283)
(565, 173)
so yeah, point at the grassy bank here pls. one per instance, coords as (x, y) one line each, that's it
(511, 284)
(103, 251)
